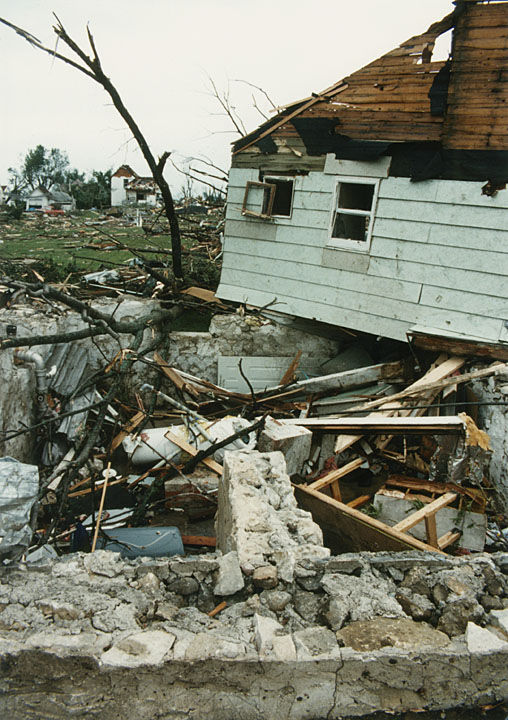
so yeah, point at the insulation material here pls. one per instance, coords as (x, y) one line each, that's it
(19, 487)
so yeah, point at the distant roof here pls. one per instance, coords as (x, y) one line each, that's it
(56, 195)
(142, 183)
(125, 171)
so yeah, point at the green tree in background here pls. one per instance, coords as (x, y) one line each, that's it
(95, 192)
(42, 166)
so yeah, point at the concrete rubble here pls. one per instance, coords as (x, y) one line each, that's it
(302, 634)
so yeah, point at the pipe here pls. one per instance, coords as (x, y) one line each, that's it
(40, 368)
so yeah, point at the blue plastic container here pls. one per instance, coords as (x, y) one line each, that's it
(143, 542)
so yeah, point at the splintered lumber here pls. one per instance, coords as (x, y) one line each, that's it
(335, 475)
(131, 425)
(448, 539)
(339, 382)
(289, 375)
(101, 507)
(173, 376)
(424, 512)
(347, 529)
(191, 450)
(394, 425)
(442, 370)
(199, 540)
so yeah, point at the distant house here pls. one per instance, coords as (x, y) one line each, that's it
(43, 199)
(129, 188)
(380, 203)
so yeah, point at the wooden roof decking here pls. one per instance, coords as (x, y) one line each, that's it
(388, 99)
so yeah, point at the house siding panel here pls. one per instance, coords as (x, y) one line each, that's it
(438, 258)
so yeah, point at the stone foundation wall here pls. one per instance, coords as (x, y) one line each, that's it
(300, 634)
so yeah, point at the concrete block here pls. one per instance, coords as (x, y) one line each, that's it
(499, 618)
(480, 640)
(229, 575)
(292, 441)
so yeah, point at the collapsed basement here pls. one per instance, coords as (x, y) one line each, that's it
(298, 513)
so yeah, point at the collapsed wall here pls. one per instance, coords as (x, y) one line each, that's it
(302, 635)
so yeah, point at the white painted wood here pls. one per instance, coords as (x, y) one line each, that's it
(439, 258)
(276, 263)
(373, 168)
(471, 302)
(495, 218)
(480, 282)
(313, 310)
(262, 372)
(446, 192)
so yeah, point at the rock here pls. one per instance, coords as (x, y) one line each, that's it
(166, 611)
(265, 577)
(307, 605)
(272, 641)
(276, 600)
(500, 619)
(417, 580)
(251, 606)
(495, 581)
(184, 586)
(456, 616)
(360, 598)
(83, 643)
(294, 442)
(491, 602)
(103, 562)
(149, 647)
(149, 583)
(480, 640)
(315, 642)
(229, 575)
(366, 635)
(206, 646)
(418, 607)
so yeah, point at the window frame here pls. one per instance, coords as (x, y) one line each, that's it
(351, 243)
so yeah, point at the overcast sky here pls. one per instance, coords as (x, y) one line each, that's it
(159, 53)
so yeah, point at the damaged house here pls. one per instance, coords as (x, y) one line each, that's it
(129, 188)
(379, 204)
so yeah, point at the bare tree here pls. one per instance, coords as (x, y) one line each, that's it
(91, 66)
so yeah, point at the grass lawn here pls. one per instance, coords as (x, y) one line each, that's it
(66, 247)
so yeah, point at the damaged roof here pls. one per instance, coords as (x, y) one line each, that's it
(405, 97)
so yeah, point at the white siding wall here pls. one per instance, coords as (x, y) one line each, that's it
(118, 194)
(438, 258)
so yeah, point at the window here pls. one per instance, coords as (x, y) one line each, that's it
(353, 215)
(271, 197)
(283, 196)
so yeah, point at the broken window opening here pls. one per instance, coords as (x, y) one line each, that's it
(354, 213)
(283, 196)
(269, 198)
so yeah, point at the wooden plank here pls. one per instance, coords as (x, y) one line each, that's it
(379, 424)
(457, 346)
(424, 512)
(129, 427)
(435, 374)
(353, 530)
(203, 294)
(188, 448)
(431, 530)
(335, 475)
(289, 375)
(199, 540)
(448, 539)
(359, 501)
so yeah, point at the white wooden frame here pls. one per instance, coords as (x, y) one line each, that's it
(350, 243)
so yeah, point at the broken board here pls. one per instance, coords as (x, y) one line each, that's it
(346, 529)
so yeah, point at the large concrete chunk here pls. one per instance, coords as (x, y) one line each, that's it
(258, 516)
(293, 442)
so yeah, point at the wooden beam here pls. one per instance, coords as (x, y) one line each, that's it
(367, 533)
(393, 425)
(191, 450)
(431, 530)
(448, 539)
(424, 512)
(336, 474)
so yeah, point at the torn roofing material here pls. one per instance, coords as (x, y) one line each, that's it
(448, 117)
